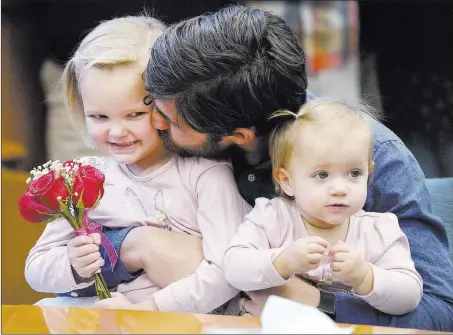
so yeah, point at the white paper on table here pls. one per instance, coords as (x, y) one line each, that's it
(283, 316)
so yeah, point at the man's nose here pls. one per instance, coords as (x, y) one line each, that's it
(159, 122)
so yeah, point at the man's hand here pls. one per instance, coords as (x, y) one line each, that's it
(84, 255)
(349, 266)
(295, 289)
(301, 256)
(165, 256)
(119, 301)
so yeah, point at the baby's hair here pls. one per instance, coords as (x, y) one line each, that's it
(319, 112)
(119, 41)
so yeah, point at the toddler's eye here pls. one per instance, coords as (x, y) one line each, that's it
(321, 175)
(355, 173)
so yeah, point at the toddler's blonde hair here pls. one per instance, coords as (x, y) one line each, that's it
(319, 112)
(119, 41)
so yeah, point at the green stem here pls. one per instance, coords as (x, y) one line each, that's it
(102, 290)
(70, 219)
(67, 215)
(79, 215)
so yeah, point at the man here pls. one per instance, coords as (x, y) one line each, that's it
(215, 79)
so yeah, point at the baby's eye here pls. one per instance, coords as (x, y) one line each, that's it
(97, 116)
(355, 173)
(136, 114)
(321, 175)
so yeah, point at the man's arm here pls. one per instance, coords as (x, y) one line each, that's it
(398, 186)
(154, 249)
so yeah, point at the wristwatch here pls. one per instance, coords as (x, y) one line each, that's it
(327, 304)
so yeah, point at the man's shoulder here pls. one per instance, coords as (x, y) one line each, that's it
(390, 152)
(382, 134)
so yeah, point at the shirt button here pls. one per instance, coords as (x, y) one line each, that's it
(251, 177)
(74, 294)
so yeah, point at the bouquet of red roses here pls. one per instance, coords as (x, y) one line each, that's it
(69, 190)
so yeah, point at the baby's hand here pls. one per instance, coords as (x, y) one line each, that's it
(84, 255)
(348, 265)
(301, 256)
(117, 301)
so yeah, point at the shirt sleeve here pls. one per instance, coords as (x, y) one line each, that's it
(398, 186)
(47, 267)
(397, 286)
(249, 259)
(220, 211)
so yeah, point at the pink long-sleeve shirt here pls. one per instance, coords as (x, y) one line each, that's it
(274, 224)
(199, 197)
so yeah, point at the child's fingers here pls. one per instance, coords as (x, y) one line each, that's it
(91, 269)
(314, 258)
(80, 240)
(84, 250)
(96, 238)
(336, 266)
(340, 256)
(339, 247)
(318, 240)
(88, 259)
(315, 248)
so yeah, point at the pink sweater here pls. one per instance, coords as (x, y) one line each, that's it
(274, 224)
(201, 199)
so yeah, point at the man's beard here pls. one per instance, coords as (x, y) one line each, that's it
(212, 148)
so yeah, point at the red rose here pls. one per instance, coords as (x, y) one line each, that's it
(88, 183)
(33, 211)
(40, 202)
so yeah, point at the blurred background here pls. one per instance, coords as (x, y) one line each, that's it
(396, 55)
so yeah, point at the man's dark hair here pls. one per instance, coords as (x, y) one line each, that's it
(230, 69)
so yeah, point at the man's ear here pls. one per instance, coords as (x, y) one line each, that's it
(241, 136)
(283, 179)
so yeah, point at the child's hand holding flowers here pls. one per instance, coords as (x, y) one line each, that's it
(84, 256)
(70, 190)
(349, 266)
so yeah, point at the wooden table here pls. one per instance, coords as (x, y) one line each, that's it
(25, 319)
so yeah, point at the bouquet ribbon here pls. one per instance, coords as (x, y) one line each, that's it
(93, 227)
